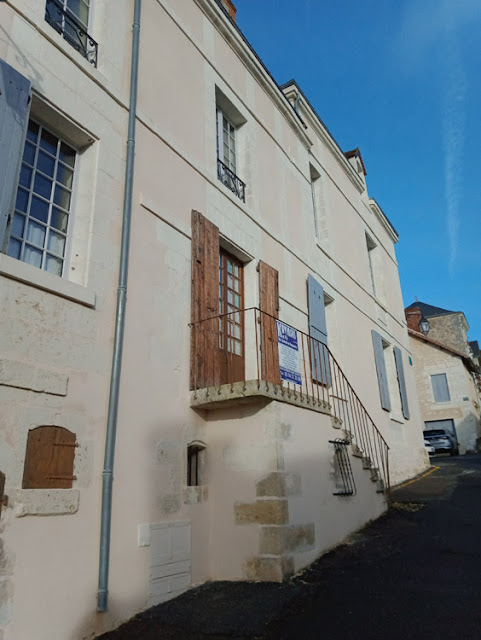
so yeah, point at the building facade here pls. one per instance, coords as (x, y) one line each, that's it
(266, 399)
(447, 373)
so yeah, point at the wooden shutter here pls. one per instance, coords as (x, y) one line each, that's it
(14, 110)
(205, 303)
(318, 330)
(402, 382)
(49, 459)
(440, 387)
(2, 490)
(269, 304)
(381, 371)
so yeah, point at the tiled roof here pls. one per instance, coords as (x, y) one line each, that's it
(429, 311)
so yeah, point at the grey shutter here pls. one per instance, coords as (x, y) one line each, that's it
(381, 370)
(440, 388)
(14, 110)
(318, 330)
(402, 382)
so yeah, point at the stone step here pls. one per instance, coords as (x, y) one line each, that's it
(366, 462)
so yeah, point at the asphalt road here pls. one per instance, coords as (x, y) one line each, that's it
(413, 574)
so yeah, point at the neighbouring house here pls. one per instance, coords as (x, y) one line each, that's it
(265, 399)
(447, 373)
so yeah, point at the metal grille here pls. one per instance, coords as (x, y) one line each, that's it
(343, 465)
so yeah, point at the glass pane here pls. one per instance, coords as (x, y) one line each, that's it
(236, 285)
(39, 209)
(238, 349)
(56, 243)
(64, 175)
(32, 256)
(36, 233)
(237, 331)
(29, 153)
(80, 10)
(14, 248)
(46, 163)
(25, 176)
(22, 200)
(18, 225)
(49, 142)
(237, 300)
(230, 297)
(229, 345)
(62, 197)
(220, 291)
(230, 281)
(59, 219)
(54, 265)
(67, 154)
(42, 186)
(32, 132)
(229, 266)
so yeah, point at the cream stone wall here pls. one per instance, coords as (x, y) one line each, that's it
(267, 465)
(463, 407)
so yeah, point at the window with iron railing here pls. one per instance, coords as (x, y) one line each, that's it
(226, 155)
(70, 19)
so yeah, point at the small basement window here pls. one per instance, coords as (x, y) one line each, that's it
(49, 459)
(195, 464)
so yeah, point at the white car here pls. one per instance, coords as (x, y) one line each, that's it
(429, 447)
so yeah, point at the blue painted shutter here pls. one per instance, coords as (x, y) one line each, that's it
(14, 110)
(440, 388)
(318, 330)
(381, 370)
(402, 382)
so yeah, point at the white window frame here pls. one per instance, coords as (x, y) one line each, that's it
(28, 219)
(230, 129)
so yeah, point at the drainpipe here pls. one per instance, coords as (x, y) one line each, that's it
(107, 475)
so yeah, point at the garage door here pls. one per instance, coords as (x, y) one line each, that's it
(448, 425)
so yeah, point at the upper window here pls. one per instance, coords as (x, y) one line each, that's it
(227, 155)
(40, 223)
(70, 19)
(439, 382)
(371, 247)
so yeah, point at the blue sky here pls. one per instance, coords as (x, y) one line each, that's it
(401, 80)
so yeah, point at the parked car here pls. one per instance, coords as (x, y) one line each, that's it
(429, 447)
(443, 441)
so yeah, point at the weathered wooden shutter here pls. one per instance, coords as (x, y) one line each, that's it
(381, 371)
(14, 110)
(440, 387)
(402, 382)
(205, 303)
(3, 499)
(49, 459)
(318, 330)
(269, 306)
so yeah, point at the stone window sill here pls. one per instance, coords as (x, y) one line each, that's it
(195, 495)
(33, 277)
(46, 502)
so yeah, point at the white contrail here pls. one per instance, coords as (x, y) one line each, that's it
(453, 118)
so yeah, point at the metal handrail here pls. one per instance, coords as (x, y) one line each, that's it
(71, 29)
(323, 385)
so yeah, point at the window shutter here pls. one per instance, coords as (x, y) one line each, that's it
(402, 382)
(205, 302)
(49, 459)
(269, 304)
(14, 110)
(381, 371)
(440, 388)
(318, 330)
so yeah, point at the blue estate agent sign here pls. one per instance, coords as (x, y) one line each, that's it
(288, 353)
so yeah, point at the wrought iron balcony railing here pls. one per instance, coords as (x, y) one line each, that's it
(70, 27)
(315, 379)
(231, 181)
